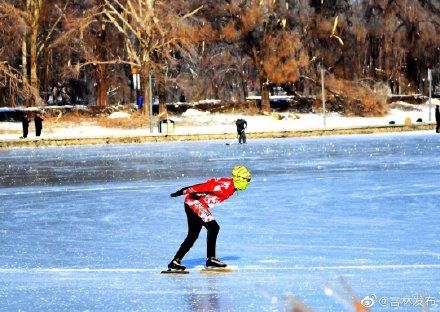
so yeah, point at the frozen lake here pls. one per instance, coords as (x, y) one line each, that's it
(90, 228)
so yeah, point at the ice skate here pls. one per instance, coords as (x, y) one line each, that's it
(175, 266)
(215, 266)
(214, 262)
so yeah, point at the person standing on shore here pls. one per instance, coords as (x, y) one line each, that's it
(25, 120)
(38, 124)
(437, 119)
(241, 126)
(182, 98)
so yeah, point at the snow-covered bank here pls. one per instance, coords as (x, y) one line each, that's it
(196, 122)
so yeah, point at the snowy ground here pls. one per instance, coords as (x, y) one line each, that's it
(194, 122)
(89, 228)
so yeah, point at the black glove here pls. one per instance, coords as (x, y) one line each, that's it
(178, 193)
(196, 195)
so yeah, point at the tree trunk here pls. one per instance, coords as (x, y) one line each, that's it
(146, 93)
(344, 68)
(264, 87)
(24, 64)
(244, 88)
(357, 66)
(48, 72)
(243, 78)
(101, 69)
(243, 82)
(35, 7)
(24, 57)
(264, 91)
(374, 55)
(388, 53)
(162, 101)
(101, 86)
(33, 59)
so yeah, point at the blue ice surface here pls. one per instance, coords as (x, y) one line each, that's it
(90, 228)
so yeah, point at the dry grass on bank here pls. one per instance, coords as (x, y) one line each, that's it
(10, 131)
(354, 98)
(136, 121)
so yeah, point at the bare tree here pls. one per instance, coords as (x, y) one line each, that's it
(153, 31)
(88, 45)
(400, 39)
(221, 71)
(36, 28)
(12, 80)
(260, 30)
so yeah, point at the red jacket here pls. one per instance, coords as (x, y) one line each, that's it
(203, 196)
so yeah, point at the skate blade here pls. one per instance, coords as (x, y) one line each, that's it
(169, 271)
(213, 270)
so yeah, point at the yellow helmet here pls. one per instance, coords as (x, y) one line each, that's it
(241, 177)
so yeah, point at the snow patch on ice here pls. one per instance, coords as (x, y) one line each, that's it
(271, 261)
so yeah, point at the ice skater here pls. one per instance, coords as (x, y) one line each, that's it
(241, 126)
(198, 201)
(437, 119)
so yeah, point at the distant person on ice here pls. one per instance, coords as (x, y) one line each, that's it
(198, 201)
(241, 126)
(38, 124)
(437, 118)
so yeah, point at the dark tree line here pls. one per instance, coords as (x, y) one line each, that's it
(86, 51)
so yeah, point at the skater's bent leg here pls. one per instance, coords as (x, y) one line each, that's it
(213, 229)
(194, 227)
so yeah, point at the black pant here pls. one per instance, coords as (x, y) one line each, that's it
(195, 224)
(38, 130)
(437, 129)
(25, 130)
(241, 137)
